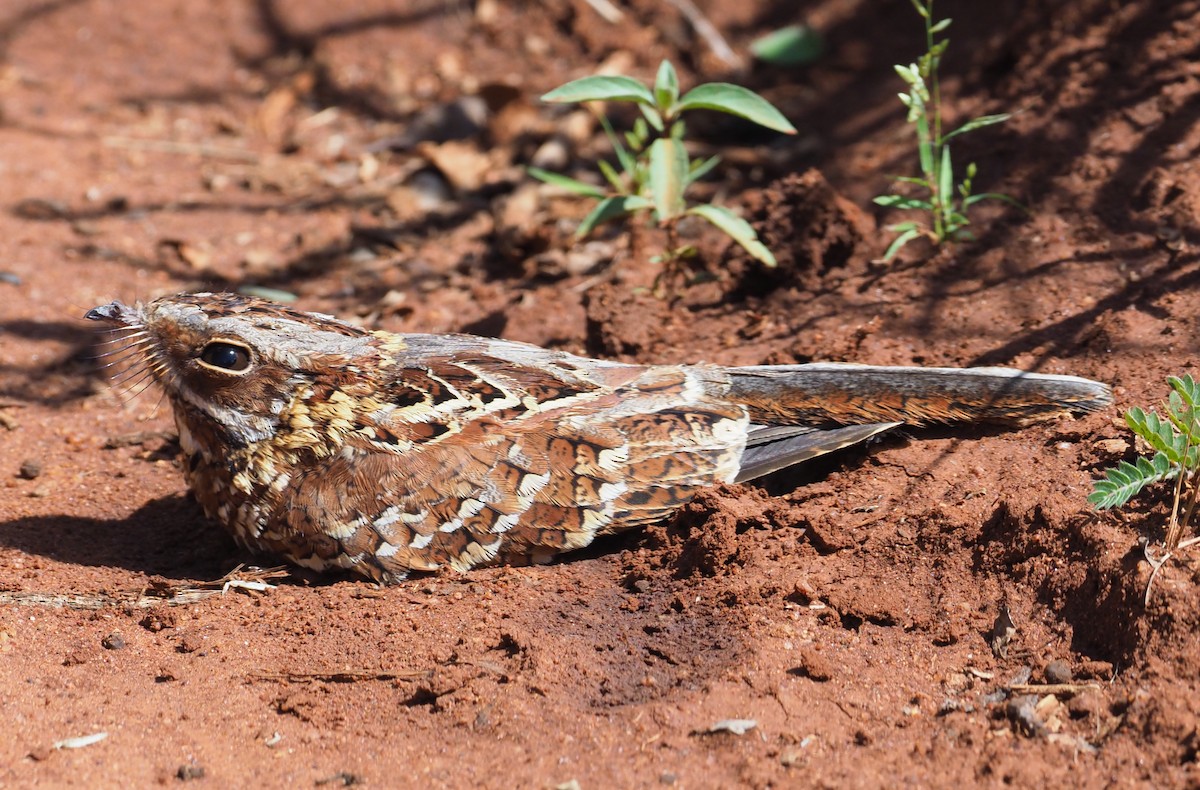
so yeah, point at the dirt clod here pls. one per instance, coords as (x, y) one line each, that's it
(813, 664)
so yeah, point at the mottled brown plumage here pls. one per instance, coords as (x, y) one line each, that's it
(336, 447)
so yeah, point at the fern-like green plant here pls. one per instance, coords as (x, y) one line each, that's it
(653, 169)
(1175, 439)
(944, 204)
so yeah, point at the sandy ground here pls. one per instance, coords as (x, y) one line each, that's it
(370, 162)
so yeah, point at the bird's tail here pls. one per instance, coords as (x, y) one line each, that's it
(829, 394)
(802, 411)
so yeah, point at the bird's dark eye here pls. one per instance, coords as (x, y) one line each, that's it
(226, 356)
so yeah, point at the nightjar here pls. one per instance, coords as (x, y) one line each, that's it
(337, 447)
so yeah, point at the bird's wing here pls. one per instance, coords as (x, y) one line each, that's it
(476, 455)
(770, 449)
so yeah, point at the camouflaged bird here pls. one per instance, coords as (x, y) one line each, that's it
(337, 447)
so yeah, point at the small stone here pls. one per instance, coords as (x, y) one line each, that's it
(1022, 711)
(589, 257)
(790, 757)
(1057, 671)
(1021, 676)
(1113, 447)
(735, 726)
(113, 641)
(31, 468)
(431, 188)
(1003, 630)
(551, 155)
(188, 772)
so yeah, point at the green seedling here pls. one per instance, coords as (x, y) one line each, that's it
(794, 45)
(653, 171)
(1175, 439)
(944, 204)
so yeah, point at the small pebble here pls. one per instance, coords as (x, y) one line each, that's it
(31, 468)
(113, 641)
(1021, 676)
(551, 155)
(188, 772)
(1057, 671)
(1022, 711)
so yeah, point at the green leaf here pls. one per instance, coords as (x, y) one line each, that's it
(652, 115)
(601, 88)
(1185, 421)
(925, 147)
(641, 133)
(566, 182)
(666, 87)
(939, 27)
(901, 202)
(612, 176)
(699, 168)
(1187, 388)
(263, 292)
(908, 73)
(737, 229)
(1126, 479)
(609, 209)
(668, 177)
(1182, 408)
(735, 100)
(973, 199)
(899, 242)
(1157, 432)
(978, 123)
(627, 161)
(794, 45)
(945, 196)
